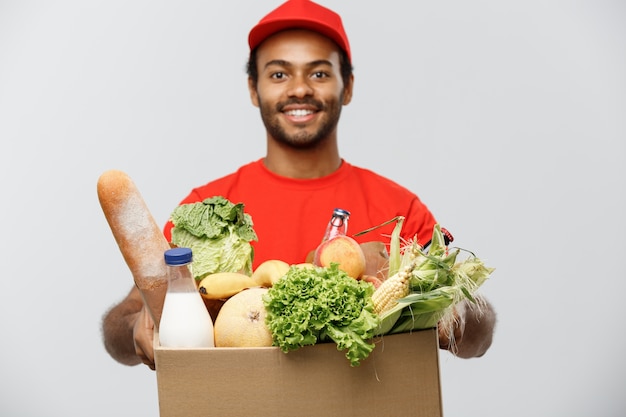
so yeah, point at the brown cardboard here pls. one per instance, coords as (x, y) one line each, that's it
(399, 378)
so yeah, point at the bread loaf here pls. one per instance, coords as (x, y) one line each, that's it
(139, 238)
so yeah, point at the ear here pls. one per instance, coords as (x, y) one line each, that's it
(254, 96)
(347, 91)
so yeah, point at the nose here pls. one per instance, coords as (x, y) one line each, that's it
(300, 86)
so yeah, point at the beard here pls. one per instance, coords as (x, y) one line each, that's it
(303, 138)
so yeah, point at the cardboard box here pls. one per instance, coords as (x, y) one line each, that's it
(399, 378)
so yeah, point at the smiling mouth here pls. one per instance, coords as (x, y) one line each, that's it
(299, 112)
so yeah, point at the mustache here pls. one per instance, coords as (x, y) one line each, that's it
(301, 101)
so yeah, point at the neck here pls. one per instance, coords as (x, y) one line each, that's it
(296, 163)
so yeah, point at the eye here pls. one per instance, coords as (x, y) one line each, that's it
(278, 75)
(320, 74)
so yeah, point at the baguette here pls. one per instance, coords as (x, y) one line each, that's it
(138, 237)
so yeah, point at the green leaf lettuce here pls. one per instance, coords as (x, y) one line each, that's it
(311, 305)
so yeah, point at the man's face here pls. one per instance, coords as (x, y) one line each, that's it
(299, 91)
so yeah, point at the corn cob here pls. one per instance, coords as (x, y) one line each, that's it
(390, 291)
(395, 287)
(398, 285)
(419, 266)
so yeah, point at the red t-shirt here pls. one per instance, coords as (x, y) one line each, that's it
(290, 215)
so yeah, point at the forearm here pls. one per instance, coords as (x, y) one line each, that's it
(117, 330)
(480, 322)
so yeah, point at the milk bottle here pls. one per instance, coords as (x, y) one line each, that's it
(185, 320)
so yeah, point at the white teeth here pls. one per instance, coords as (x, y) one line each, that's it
(298, 113)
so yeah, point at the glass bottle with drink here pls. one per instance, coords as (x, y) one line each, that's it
(337, 226)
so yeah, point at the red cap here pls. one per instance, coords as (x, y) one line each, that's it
(301, 14)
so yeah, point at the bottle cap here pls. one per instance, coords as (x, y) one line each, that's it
(341, 212)
(178, 256)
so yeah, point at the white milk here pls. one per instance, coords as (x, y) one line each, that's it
(185, 322)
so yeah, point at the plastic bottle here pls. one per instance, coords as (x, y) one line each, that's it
(185, 321)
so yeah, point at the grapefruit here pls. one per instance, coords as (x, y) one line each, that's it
(241, 321)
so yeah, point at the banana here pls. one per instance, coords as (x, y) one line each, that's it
(222, 285)
(270, 271)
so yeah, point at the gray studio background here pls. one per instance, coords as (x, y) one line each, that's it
(507, 118)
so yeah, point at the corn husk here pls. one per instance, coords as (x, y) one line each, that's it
(440, 278)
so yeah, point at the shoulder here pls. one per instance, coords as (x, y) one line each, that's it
(373, 180)
(225, 184)
(386, 198)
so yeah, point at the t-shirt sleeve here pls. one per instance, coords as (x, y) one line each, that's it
(419, 222)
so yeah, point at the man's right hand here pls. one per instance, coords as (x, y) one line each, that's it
(143, 335)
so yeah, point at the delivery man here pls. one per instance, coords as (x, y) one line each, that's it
(300, 77)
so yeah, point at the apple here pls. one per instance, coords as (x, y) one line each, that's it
(270, 271)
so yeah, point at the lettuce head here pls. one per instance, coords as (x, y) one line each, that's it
(317, 305)
(218, 232)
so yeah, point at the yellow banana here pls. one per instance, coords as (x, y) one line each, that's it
(221, 285)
